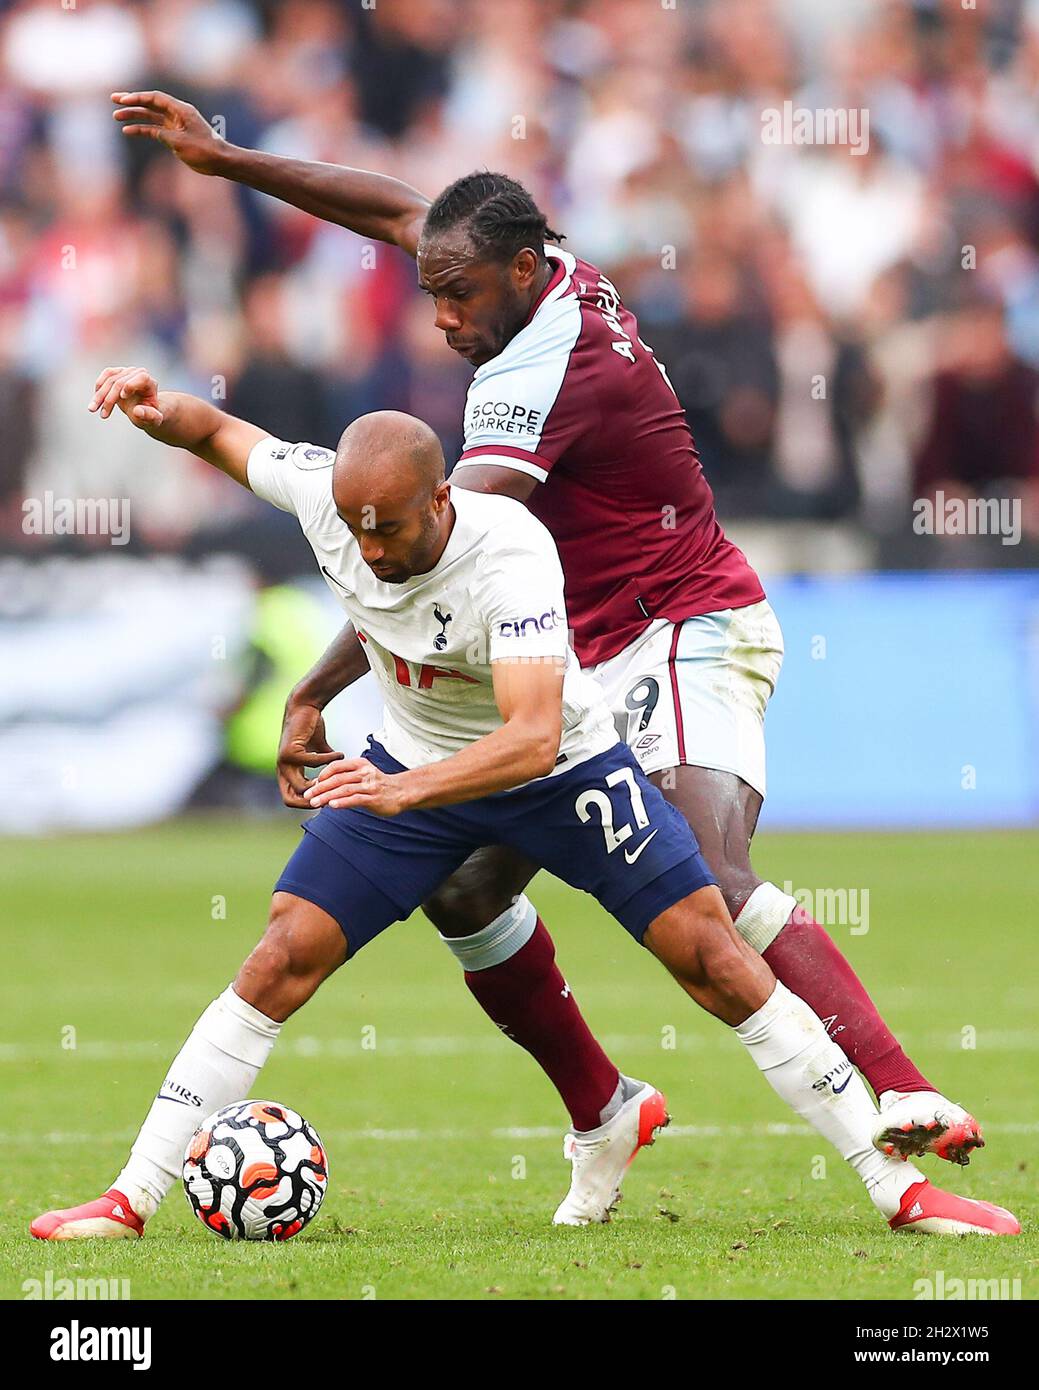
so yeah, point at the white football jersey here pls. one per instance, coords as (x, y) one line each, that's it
(496, 593)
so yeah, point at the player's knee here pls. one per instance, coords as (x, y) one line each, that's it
(282, 971)
(701, 947)
(736, 883)
(463, 905)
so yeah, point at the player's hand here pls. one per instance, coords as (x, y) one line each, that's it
(358, 783)
(303, 744)
(176, 124)
(134, 390)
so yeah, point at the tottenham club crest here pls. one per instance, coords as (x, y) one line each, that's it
(440, 640)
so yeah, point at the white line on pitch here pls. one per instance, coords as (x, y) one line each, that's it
(102, 1050)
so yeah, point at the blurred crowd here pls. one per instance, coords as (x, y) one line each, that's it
(848, 328)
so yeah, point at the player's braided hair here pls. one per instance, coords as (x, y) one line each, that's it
(500, 216)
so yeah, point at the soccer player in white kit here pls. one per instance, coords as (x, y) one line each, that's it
(492, 735)
(570, 412)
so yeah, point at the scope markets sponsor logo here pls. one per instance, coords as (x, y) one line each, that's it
(965, 1289)
(830, 125)
(522, 627)
(503, 417)
(77, 516)
(968, 516)
(78, 1342)
(101, 1290)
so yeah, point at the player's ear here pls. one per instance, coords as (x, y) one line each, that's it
(442, 496)
(524, 267)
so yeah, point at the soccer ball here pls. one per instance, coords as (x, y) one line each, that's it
(255, 1170)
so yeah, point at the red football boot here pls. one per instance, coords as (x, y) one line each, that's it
(915, 1123)
(930, 1210)
(110, 1217)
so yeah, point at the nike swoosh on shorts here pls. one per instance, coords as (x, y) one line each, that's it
(632, 855)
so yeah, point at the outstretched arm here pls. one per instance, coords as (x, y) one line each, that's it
(371, 204)
(183, 422)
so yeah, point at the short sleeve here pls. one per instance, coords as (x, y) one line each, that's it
(525, 411)
(285, 474)
(520, 598)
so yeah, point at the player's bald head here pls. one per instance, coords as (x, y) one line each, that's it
(388, 486)
(386, 460)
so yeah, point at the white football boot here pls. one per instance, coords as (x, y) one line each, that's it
(914, 1123)
(600, 1157)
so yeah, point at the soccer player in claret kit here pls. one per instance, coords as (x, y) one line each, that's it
(570, 412)
(492, 735)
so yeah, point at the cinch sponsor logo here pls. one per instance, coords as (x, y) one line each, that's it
(504, 417)
(520, 627)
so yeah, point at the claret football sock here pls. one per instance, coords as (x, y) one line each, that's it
(510, 969)
(803, 956)
(789, 1044)
(217, 1065)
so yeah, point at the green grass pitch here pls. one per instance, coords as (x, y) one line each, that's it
(444, 1138)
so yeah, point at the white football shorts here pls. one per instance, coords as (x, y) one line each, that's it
(695, 692)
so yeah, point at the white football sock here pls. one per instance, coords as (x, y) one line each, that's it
(764, 915)
(499, 940)
(217, 1065)
(802, 1064)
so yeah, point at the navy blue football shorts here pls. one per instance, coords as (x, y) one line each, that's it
(602, 827)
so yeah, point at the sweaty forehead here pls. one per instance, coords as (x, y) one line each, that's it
(444, 254)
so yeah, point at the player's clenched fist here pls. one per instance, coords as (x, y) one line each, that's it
(358, 783)
(176, 124)
(134, 390)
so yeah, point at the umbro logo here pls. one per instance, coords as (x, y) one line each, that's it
(646, 742)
